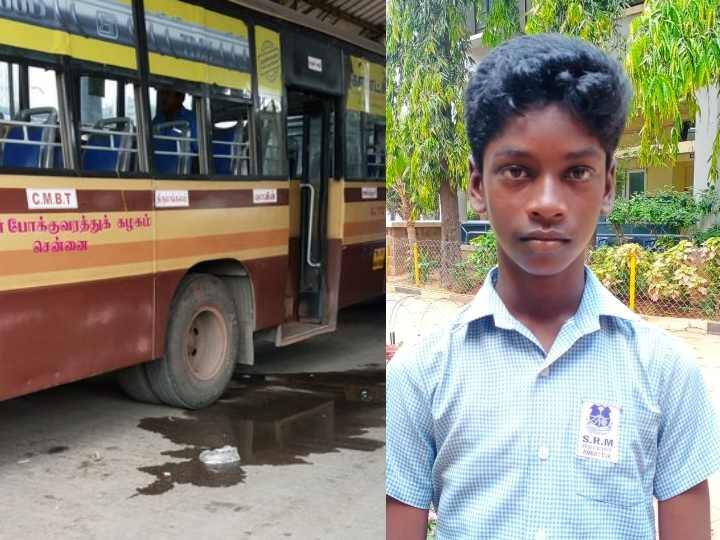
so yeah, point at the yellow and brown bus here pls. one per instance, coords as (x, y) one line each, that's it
(176, 180)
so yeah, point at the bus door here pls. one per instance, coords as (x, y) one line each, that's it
(313, 74)
(315, 152)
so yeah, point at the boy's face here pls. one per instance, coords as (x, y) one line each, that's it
(544, 183)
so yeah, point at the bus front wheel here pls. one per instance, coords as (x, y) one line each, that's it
(201, 344)
(134, 382)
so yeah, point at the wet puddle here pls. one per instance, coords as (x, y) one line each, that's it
(272, 420)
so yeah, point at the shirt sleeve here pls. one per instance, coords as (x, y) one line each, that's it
(688, 449)
(410, 452)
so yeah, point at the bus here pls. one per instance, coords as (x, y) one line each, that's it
(177, 181)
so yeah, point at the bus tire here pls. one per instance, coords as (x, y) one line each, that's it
(134, 382)
(201, 344)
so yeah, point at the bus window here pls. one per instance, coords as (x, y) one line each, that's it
(375, 146)
(30, 136)
(43, 88)
(107, 136)
(270, 151)
(230, 137)
(174, 132)
(354, 144)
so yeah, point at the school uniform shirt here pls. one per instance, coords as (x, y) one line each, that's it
(510, 442)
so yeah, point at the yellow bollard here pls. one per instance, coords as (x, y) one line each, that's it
(633, 269)
(416, 264)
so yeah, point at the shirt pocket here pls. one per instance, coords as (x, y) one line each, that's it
(629, 481)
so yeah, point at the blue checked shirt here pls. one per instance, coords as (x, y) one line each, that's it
(509, 442)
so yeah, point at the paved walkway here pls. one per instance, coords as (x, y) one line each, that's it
(410, 316)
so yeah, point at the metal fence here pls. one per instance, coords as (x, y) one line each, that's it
(433, 264)
(680, 281)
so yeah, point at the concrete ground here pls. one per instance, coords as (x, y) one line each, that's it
(83, 461)
(409, 316)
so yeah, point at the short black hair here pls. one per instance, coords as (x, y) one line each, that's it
(535, 71)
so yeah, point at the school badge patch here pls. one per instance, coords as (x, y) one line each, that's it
(599, 432)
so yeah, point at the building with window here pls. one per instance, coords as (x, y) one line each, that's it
(692, 167)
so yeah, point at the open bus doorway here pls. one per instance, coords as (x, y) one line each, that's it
(311, 152)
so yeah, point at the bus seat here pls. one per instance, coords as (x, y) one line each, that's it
(40, 155)
(22, 155)
(237, 162)
(117, 158)
(173, 163)
(220, 135)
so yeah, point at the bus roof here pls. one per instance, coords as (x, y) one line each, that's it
(360, 22)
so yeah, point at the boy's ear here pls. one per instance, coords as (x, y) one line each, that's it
(476, 188)
(609, 190)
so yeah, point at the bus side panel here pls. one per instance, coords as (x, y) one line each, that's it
(54, 335)
(362, 275)
(359, 281)
(221, 222)
(334, 269)
(268, 278)
(76, 285)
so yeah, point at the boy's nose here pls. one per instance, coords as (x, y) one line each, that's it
(547, 205)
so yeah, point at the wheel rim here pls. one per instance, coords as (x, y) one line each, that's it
(206, 343)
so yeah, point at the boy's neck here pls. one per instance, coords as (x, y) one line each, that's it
(540, 299)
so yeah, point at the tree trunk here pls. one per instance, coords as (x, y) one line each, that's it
(412, 239)
(411, 232)
(449, 234)
(619, 232)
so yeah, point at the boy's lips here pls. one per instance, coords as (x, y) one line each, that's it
(545, 236)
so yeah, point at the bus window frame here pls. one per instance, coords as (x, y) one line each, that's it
(366, 164)
(198, 91)
(252, 174)
(363, 122)
(348, 51)
(25, 60)
(251, 21)
(122, 77)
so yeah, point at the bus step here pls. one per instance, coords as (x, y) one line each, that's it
(293, 332)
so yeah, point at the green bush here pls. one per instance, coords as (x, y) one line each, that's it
(668, 210)
(700, 236)
(426, 265)
(612, 267)
(686, 275)
(484, 255)
(663, 243)
(464, 277)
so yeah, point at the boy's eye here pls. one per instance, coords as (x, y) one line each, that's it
(513, 172)
(580, 174)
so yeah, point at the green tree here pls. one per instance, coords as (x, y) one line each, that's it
(674, 51)
(427, 61)
(500, 23)
(595, 21)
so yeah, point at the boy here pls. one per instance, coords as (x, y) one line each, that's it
(547, 409)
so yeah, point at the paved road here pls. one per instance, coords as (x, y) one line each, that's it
(82, 461)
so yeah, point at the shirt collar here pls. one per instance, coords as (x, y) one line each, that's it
(596, 301)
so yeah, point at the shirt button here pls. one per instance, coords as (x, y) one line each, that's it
(543, 454)
(540, 534)
(545, 372)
